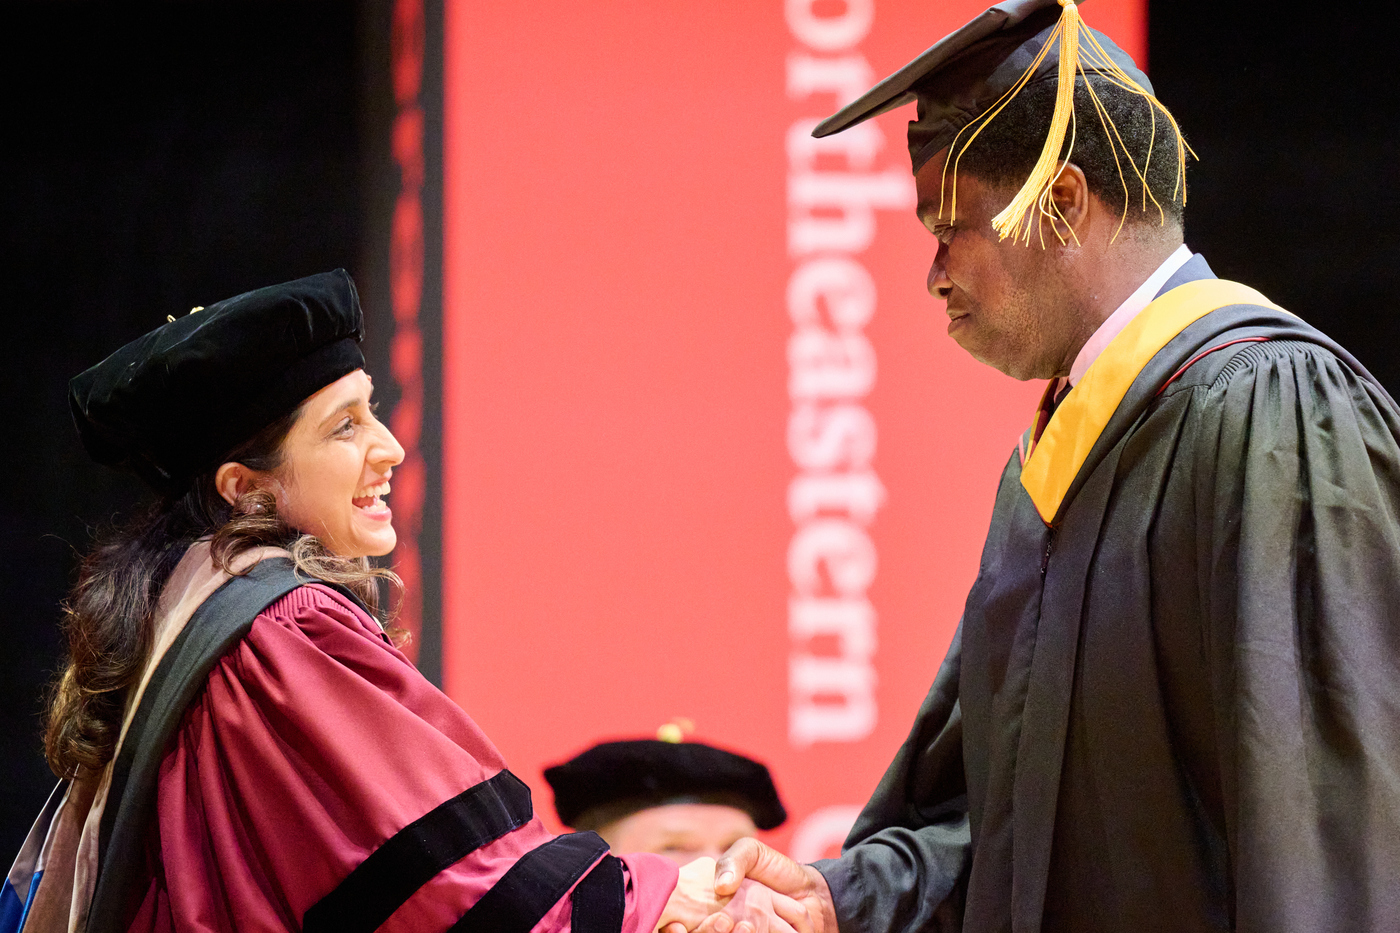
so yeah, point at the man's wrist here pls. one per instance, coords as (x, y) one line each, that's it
(820, 905)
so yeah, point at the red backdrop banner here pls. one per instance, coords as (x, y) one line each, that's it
(708, 452)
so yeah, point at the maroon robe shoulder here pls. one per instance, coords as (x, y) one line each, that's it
(320, 781)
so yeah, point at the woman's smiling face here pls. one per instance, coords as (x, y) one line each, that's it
(336, 463)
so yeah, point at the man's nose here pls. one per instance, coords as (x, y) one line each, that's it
(939, 285)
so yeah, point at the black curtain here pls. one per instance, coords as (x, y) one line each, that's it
(1295, 114)
(152, 158)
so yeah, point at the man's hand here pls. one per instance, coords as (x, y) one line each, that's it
(748, 908)
(792, 884)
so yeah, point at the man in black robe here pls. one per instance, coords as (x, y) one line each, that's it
(1173, 701)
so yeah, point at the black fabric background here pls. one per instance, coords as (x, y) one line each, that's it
(154, 157)
(1295, 115)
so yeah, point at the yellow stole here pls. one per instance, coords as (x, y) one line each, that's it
(1079, 420)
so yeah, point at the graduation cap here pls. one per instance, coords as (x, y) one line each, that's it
(968, 77)
(172, 403)
(614, 779)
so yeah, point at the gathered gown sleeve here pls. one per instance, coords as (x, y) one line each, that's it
(1298, 489)
(320, 781)
(902, 866)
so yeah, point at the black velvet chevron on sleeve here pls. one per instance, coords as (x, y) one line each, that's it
(534, 884)
(600, 899)
(413, 856)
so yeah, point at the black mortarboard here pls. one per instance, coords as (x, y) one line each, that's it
(618, 778)
(170, 404)
(966, 76)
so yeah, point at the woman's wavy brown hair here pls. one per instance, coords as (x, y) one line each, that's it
(109, 615)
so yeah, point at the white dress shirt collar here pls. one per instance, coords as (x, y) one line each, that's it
(1128, 310)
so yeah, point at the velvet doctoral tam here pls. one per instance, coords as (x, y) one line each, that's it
(613, 779)
(171, 404)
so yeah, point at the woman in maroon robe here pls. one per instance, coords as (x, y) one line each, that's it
(313, 779)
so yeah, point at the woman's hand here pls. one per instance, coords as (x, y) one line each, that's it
(693, 899)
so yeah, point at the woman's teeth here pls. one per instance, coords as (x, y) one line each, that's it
(370, 495)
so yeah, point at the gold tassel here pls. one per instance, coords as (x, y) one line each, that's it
(1077, 46)
(675, 731)
(1011, 222)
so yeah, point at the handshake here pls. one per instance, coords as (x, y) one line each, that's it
(751, 889)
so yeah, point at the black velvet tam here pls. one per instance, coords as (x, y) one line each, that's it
(171, 404)
(964, 74)
(618, 778)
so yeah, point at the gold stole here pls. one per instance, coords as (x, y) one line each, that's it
(1061, 450)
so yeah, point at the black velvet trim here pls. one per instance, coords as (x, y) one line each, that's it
(410, 858)
(128, 821)
(534, 884)
(600, 899)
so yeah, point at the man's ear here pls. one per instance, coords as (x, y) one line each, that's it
(233, 480)
(1069, 193)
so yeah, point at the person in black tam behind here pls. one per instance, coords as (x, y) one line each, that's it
(683, 800)
(1173, 700)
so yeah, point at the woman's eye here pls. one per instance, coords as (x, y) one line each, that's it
(345, 427)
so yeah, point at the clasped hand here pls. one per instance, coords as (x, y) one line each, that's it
(751, 889)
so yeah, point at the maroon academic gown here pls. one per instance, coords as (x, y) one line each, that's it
(315, 744)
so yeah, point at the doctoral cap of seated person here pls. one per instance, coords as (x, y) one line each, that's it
(172, 403)
(614, 779)
(963, 81)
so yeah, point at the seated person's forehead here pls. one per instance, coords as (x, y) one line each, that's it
(687, 819)
(688, 828)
